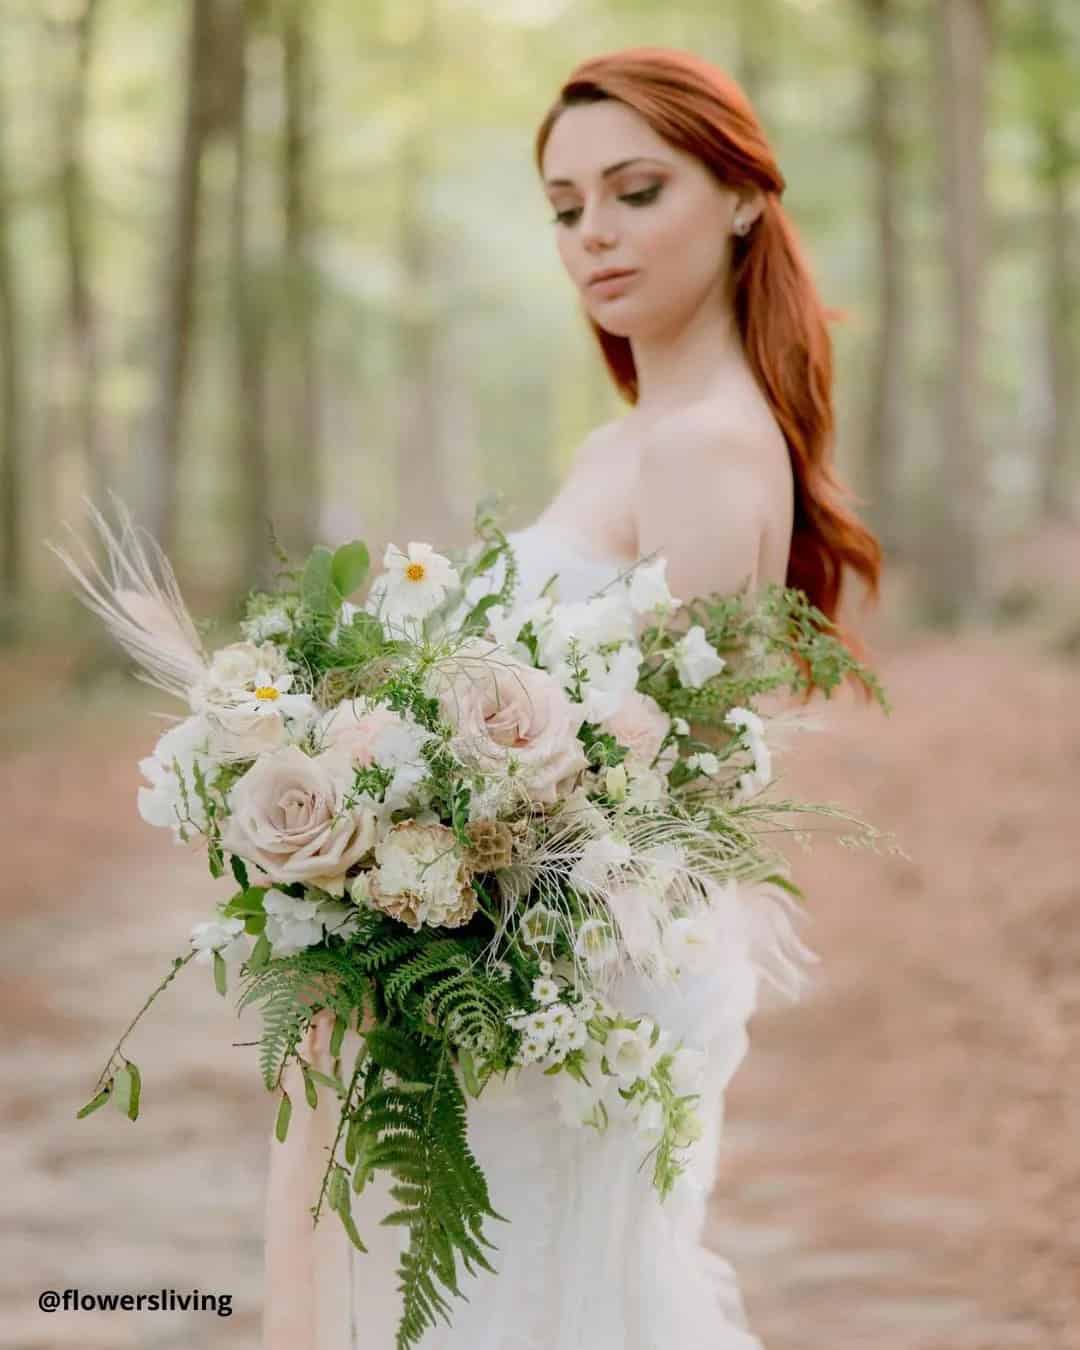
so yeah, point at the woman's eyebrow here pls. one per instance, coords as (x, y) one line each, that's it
(606, 173)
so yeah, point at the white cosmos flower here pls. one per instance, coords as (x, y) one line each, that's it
(415, 582)
(696, 659)
(648, 588)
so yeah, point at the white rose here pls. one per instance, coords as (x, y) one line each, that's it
(511, 719)
(696, 660)
(287, 815)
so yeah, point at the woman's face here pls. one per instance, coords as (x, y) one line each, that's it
(661, 214)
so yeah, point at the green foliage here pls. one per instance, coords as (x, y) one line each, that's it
(420, 1138)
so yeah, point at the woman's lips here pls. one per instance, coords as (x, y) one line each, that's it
(611, 285)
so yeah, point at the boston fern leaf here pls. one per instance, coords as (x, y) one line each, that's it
(421, 1139)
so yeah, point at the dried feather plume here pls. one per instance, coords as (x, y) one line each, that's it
(141, 604)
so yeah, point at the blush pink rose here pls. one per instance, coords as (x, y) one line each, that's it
(353, 728)
(511, 717)
(640, 724)
(287, 815)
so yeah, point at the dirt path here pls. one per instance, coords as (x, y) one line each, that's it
(900, 1165)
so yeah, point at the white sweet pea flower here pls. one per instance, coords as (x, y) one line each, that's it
(226, 936)
(681, 726)
(293, 924)
(696, 659)
(590, 623)
(344, 619)
(415, 582)
(745, 718)
(648, 588)
(270, 623)
(504, 624)
(162, 803)
(609, 680)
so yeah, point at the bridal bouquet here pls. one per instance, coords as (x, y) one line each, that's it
(452, 819)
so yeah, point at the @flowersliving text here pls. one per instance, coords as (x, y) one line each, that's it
(161, 1300)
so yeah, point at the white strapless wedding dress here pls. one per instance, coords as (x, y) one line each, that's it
(591, 1259)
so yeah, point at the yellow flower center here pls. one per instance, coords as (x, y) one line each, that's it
(267, 691)
(415, 571)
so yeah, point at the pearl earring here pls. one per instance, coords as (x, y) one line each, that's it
(742, 227)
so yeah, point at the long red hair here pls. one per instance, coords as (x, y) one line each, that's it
(699, 109)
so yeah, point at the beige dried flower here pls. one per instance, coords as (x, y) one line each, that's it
(492, 845)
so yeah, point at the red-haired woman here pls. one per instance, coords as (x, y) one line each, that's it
(666, 205)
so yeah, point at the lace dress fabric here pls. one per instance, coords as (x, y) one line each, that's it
(591, 1258)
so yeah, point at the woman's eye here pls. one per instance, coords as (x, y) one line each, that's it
(640, 198)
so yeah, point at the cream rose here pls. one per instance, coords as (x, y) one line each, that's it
(511, 718)
(288, 816)
(640, 724)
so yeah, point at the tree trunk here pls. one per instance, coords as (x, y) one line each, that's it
(1061, 304)
(249, 327)
(177, 316)
(303, 450)
(954, 550)
(12, 426)
(884, 432)
(82, 326)
(422, 502)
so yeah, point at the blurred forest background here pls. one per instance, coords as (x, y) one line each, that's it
(287, 263)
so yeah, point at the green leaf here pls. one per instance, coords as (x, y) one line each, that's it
(317, 589)
(349, 566)
(254, 924)
(284, 1115)
(221, 983)
(136, 1090)
(350, 1228)
(239, 871)
(247, 901)
(122, 1088)
(468, 1072)
(260, 953)
(93, 1104)
(309, 1091)
(328, 1080)
(337, 1036)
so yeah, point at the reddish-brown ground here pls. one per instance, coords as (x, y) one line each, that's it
(901, 1166)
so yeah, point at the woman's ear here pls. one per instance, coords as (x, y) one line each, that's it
(749, 204)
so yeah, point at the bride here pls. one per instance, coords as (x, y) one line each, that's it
(666, 207)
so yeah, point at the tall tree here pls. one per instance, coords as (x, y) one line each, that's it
(884, 427)
(1055, 99)
(422, 500)
(12, 424)
(202, 112)
(954, 548)
(246, 311)
(82, 332)
(303, 465)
